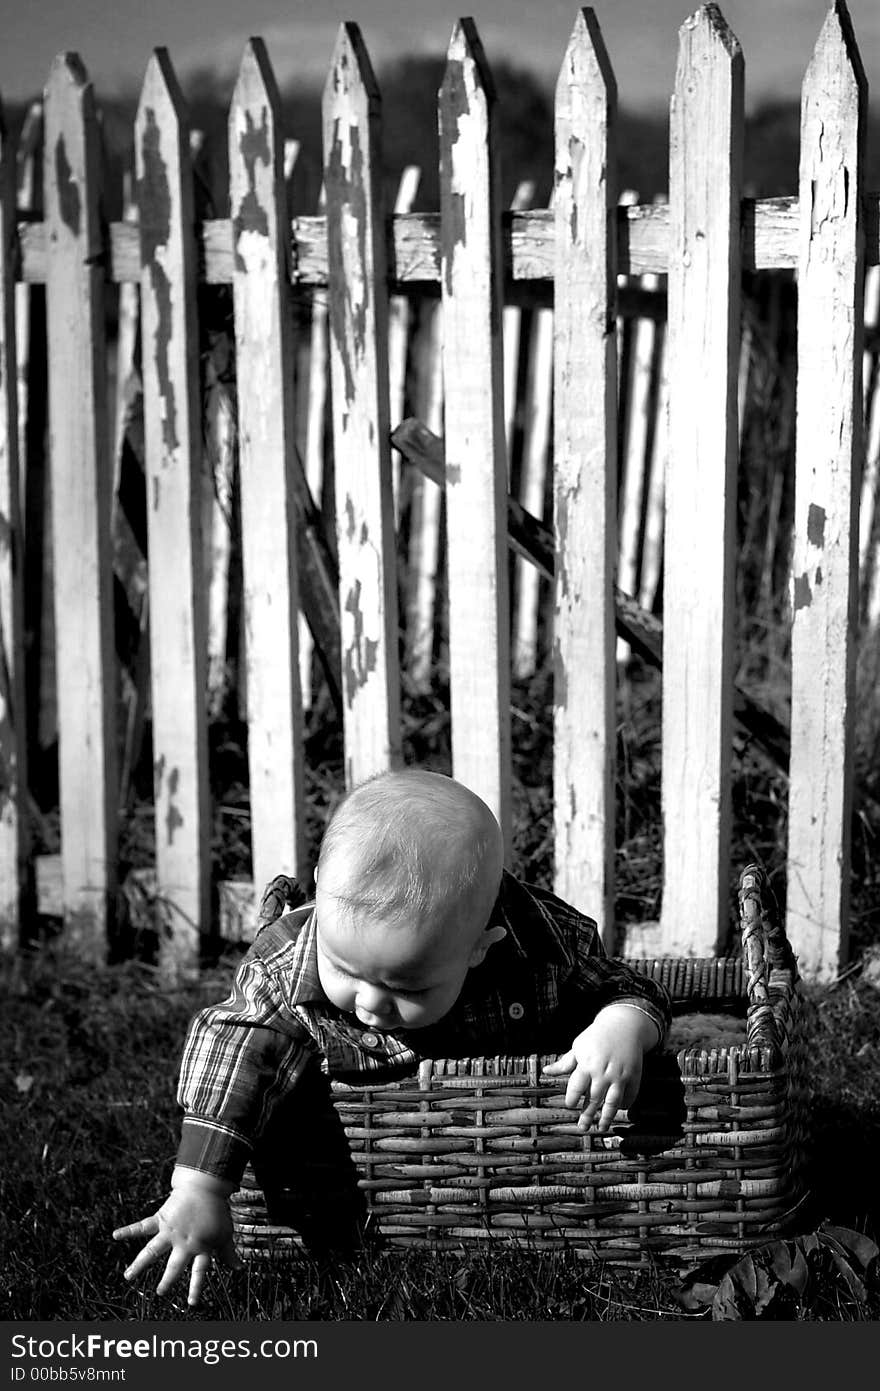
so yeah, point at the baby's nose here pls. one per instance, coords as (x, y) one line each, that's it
(373, 1005)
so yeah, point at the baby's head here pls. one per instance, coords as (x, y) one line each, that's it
(408, 872)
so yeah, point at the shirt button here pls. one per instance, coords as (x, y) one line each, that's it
(370, 1040)
(515, 1010)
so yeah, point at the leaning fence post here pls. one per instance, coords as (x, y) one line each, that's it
(705, 178)
(358, 310)
(81, 500)
(13, 732)
(828, 457)
(173, 448)
(264, 355)
(585, 482)
(476, 454)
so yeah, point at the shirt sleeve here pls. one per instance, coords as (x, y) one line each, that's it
(600, 980)
(240, 1058)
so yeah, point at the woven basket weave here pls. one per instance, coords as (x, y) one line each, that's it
(709, 1160)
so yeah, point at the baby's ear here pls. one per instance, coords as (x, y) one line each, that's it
(486, 940)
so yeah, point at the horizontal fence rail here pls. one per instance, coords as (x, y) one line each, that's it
(611, 468)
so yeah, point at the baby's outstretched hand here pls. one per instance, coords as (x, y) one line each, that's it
(604, 1064)
(192, 1225)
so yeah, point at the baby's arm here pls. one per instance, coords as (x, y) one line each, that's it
(604, 1063)
(192, 1225)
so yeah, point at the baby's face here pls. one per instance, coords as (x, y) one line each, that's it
(387, 975)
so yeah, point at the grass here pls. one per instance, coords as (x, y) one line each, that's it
(87, 1063)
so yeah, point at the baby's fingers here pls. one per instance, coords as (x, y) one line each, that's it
(149, 1226)
(200, 1268)
(147, 1256)
(563, 1064)
(604, 1105)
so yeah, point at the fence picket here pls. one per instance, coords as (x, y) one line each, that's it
(29, 144)
(705, 174)
(476, 457)
(585, 480)
(266, 436)
(640, 424)
(316, 425)
(869, 509)
(81, 486)
(511, 323)
(358, 312)
(173, 452)
(828, 458)
(399, 321)
(426, 505)
(13, 728)
(533, 471)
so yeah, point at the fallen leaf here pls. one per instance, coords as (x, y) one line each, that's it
(23, 1082)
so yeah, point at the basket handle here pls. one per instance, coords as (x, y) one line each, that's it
(280, 894)
(765, 948)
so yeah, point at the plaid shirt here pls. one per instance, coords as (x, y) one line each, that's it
(534, 992)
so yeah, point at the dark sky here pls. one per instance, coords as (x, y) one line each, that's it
(114, 37)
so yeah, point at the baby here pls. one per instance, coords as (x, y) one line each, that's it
(418, 944)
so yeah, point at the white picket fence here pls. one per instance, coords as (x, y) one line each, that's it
(479, 257)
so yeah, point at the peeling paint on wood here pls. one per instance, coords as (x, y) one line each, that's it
(69, 203)
(358, 314)
(827, 467)
(81, 483)
(585, 473)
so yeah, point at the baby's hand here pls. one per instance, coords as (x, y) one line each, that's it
(605, 1064)
(193, 1224)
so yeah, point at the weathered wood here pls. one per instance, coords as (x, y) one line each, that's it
(585, 475)
(511, 323)
(316, 424)
(14, 839)
(769, 242)
(178, 638)
(27, 180)
(531, 539)
(426, 501)
(265, 378)
(641, 417)
(358, 307)
(828, 461)
(218, 486)
(869, 507)
(538, 398)
(399, 317)
(81, 485)
(476, 462)
(705, 172)
(652, 542)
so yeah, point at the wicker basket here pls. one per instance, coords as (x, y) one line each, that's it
(709, 1160)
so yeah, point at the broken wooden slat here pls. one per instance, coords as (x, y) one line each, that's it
(173, 449)
(585, 476)
(81, 488)
(705, 174)
(476, 460)
(358, 310)
(13, 731)
(827, 464)
(266, 424)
